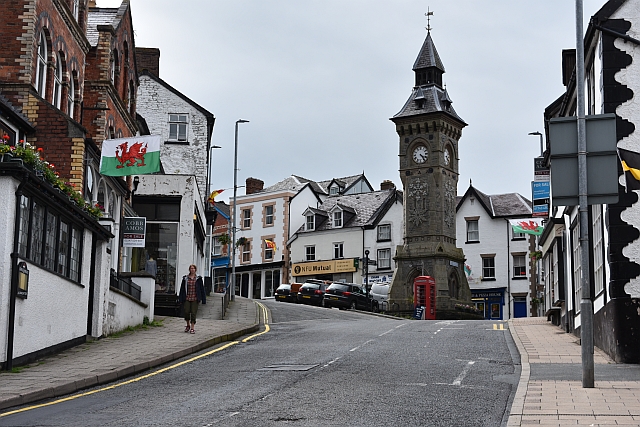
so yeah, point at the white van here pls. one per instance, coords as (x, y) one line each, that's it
(380, 293)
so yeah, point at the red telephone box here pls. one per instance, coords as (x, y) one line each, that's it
(424, 293)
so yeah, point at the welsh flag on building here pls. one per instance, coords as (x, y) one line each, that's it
(527, 225)
(136, 155)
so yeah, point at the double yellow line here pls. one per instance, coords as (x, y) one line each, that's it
(264, 313)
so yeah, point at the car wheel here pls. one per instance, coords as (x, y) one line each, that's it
(353, 305)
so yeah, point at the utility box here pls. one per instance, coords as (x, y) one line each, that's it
(424, 295)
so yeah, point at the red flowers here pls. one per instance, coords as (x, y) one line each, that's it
(39, 150)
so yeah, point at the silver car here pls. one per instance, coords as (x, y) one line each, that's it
(380, 293)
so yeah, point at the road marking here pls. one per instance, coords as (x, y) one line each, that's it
(330, 362)
(265, 316)
(497, 327)
(463, 374)
(355, 348)
(385, 333)
(400, 326)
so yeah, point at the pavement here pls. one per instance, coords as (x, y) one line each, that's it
(549, 392)
(122, 355)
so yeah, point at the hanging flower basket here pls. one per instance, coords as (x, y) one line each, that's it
(241, 241)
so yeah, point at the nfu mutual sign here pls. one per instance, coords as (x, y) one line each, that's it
(133, 232)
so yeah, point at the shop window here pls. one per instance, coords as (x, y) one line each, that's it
(338, 250)
(37, 232)
(488, 268)
(159, 256)
(178, 124)
(310, 253)
(384, 258)
(63, 248)
(384, 233)
(50, 241)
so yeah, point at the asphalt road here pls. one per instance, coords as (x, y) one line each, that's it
(318, 367)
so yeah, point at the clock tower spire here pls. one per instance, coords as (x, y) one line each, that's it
(429, 129)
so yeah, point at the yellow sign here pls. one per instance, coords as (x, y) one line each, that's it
(323, 267)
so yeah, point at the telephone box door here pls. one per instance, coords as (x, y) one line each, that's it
(424, 292)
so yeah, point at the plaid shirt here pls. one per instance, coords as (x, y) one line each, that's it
(191, 289)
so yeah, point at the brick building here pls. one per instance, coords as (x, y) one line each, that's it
(67, 71)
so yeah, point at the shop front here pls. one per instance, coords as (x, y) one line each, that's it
(336, 270)
(489, 301)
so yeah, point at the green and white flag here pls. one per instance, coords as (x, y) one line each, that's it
(136, 155)
(527, 225)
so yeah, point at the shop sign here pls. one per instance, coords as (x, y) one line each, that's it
(133, 232)
(487, 294)
(323, 267)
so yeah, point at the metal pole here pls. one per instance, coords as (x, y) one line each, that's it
(586, 305)
(541, 142)
(232, 291)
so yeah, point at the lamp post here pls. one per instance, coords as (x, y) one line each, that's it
(539, 134)
(207, 208)
(232, 291)
(209, 174)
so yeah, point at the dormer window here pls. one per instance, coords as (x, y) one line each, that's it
(337, 219)
(333, 191)
(311, 222)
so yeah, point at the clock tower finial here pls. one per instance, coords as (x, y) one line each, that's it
(429, 14)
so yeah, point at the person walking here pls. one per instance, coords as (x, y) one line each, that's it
(191, 292)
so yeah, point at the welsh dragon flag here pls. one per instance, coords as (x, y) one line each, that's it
(527, 225)
(136, 155)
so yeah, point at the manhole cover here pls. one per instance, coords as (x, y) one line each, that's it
(288, 367)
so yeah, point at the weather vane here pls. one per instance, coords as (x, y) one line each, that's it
(429, 14)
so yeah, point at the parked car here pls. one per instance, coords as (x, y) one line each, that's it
(312, 292)
(380, 293)
(349, 295)
(283, 293)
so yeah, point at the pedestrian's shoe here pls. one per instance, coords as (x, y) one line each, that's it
(192, 331)
(186, 329)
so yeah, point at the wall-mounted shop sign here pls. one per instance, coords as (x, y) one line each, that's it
(133, 232)
(23, 280)
(324, 267)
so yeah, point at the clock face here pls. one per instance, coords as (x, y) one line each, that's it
(447, 157)
(420, 154)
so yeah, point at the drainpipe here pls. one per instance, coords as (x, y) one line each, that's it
(508, 270)
(14, 279)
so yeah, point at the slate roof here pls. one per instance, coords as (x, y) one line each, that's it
(499, 205)
(428, 56)
(428, 99)
(99, 16)
(14, 113)
(366, 206)
(296, 183)
(223, 208)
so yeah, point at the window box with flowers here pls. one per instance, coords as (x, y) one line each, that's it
(31, 157)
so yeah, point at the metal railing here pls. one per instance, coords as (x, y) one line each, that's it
(125, 285)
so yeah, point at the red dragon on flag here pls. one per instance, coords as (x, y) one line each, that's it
(130, 155)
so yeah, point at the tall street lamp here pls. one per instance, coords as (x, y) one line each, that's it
(539, 134)
(235, 210)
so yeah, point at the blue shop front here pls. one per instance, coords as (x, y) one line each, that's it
(489, 301)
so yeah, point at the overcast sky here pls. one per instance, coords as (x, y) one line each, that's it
(319, 80)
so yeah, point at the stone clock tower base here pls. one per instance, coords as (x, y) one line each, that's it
(443, 262)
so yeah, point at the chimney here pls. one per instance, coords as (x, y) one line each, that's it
(387, 185)
(253, 185)
(568, 65)
(148, 58)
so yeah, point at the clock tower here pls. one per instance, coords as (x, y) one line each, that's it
(429, 130)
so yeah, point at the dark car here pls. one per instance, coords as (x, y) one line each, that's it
(349, 295)
(312, 292)
(283, 293)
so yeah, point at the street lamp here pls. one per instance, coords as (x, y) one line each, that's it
(209, 174)
(232, 291)
(539, 134)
